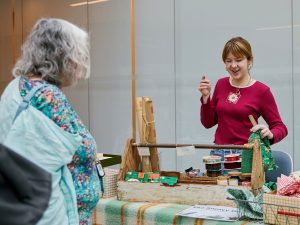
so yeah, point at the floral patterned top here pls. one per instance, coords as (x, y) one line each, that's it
(54, 104)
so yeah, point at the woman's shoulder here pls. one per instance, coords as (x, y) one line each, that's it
(48, 93)
(223, 81)
(261, 86)
(53, 103)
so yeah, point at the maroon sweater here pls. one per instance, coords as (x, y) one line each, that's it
(232, 119)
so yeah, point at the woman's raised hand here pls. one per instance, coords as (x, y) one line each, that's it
(204, 88)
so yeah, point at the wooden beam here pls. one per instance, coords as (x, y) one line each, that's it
(201, 146)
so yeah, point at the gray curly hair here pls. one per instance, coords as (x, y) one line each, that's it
(57, 51)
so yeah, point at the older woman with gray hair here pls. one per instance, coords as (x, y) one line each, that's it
(38, 122)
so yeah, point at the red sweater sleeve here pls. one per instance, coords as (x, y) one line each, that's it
(271, 115)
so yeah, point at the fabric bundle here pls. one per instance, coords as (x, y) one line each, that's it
(288, 186)
(249, 205)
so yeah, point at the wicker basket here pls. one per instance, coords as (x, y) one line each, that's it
(110, 182)
(276, 209)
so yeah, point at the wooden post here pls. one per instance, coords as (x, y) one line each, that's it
(133, 83)
(146, 165)
(258, 174)
(150, 132)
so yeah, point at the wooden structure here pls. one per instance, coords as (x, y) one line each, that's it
(188, 191)
(131, 158)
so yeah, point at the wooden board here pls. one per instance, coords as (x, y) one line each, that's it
(190, 194)
(258, 175)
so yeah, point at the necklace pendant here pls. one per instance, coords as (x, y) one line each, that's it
(234, 97)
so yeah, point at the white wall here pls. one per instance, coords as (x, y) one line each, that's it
(176, 42)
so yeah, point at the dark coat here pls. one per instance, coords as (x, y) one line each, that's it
(25, 189)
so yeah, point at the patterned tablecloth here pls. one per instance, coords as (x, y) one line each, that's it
(114, 212)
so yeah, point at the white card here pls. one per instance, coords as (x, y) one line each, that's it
(186, 150)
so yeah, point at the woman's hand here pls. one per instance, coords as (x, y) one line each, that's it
(204, 88)
(265, 131)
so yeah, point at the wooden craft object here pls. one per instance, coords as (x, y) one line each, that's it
(131, 159)
(258, 174)
(139, 115)
(146, 165)
(150, 132)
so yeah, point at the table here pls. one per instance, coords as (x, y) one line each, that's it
(113, 212)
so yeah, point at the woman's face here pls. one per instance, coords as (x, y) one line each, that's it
(237, 67)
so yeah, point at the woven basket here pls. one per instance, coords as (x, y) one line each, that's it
(110, 182)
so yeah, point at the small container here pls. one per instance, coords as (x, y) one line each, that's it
(222, 180)
(233, 182)
(246, 184)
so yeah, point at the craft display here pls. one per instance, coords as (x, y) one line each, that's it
(191, 187)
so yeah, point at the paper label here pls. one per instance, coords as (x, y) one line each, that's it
(186, 150)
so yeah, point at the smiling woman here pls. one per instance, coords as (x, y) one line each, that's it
(235, 98)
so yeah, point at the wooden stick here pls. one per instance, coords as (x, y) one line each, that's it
(133, 90)
(202, 146)
(253, 121)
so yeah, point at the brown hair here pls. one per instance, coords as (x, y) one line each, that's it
(239, 47)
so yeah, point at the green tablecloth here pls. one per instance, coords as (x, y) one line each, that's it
(114, 212)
